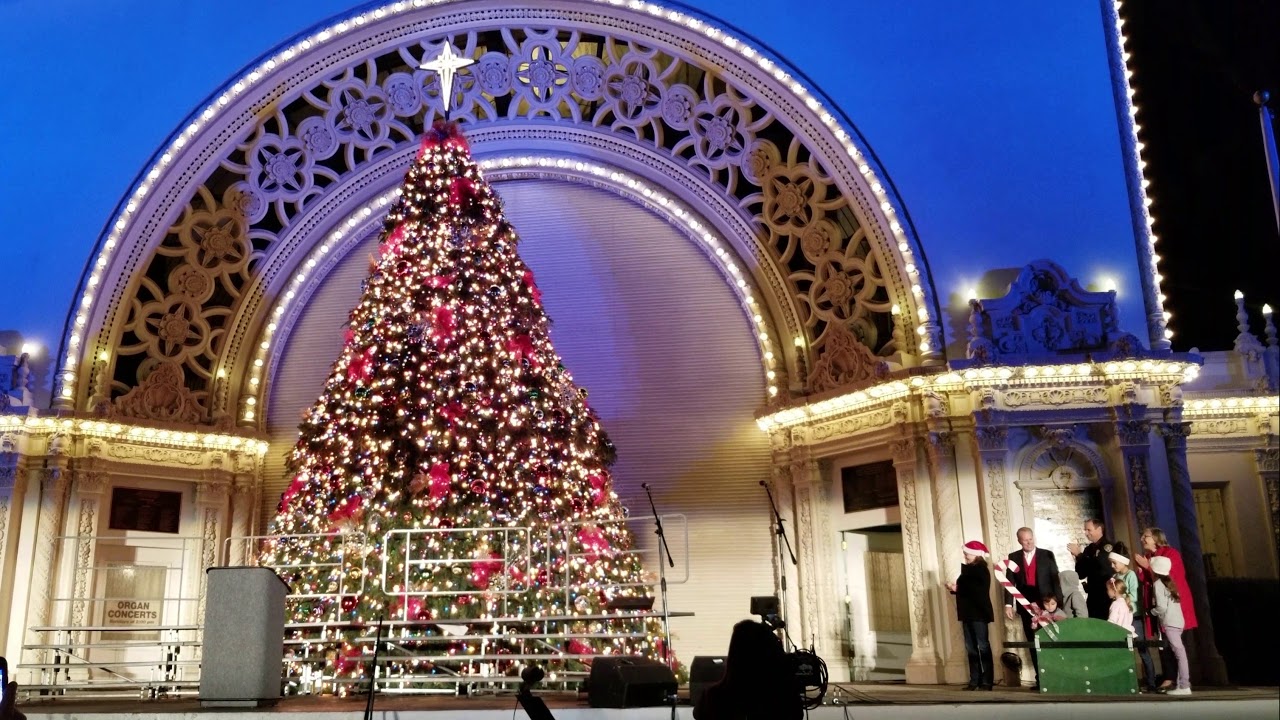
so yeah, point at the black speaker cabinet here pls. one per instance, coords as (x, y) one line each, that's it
(627, 682)
(703, 673)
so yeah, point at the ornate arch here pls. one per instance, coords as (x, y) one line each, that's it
(1060, 449)
(225, 222)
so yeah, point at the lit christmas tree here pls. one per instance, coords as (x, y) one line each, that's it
(453, 442)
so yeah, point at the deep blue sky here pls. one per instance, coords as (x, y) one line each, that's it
(996, 125)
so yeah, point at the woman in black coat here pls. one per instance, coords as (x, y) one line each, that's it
(973, 608)
(759, 683)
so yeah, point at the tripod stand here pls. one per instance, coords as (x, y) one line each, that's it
(662, 584)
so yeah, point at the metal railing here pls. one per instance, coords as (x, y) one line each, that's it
(87, 651)
(123, 619)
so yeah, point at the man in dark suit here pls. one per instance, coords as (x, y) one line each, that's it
(1036, 576)
(1093, 565)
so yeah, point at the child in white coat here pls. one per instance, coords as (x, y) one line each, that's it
(1168, 610)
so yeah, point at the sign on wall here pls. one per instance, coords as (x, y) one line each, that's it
(1059, 519)
(134, 598)
(870, 486)
(145, 510)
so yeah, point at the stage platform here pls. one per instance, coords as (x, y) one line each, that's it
(864, 701)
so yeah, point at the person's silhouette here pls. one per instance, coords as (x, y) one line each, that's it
(7, 709)
(758, 683)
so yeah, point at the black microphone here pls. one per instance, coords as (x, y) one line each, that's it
(532, 675)
(644, 485)
(761, 483)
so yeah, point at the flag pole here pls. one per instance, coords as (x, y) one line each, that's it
(1269, 150)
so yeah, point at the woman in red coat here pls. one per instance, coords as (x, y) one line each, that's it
(1156, 544)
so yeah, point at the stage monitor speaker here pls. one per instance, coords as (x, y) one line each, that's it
(703, 673)
(627, 682)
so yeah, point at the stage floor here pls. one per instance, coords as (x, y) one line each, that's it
(857, 700)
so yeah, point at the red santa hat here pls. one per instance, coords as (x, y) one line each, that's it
(973, 547)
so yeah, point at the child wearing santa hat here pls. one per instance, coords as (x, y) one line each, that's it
(973, 608)
(1168, 610)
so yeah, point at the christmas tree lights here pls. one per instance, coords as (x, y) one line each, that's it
(452, 472)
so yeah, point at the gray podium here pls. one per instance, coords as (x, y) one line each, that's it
(243, 637)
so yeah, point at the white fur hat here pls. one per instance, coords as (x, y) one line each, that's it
(1161, 565)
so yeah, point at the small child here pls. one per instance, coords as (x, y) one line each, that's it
(1073, 602)
(1049, 602)
(1121, 611)
(1129, 578)
(1168, 610)
(1120, 566)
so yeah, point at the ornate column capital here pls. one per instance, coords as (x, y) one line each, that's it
(244, 484)
(8, 477)
(90, 482)
(904, 450)
(53, 478)
(1133, 433)
(1268, 459)
(1175, 433)
(212, 492)
(992, 438)
(941, 440)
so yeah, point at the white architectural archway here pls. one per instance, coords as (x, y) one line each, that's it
(216, 229)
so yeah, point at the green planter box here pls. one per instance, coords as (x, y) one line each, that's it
(1088, 657)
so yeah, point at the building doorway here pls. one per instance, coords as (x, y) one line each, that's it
(877, 618)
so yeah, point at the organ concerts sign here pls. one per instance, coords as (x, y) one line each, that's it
(133, 613)
(134, 598)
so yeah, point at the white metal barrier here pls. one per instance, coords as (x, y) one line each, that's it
(123, 618)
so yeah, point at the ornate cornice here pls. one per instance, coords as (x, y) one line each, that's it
(96, 446)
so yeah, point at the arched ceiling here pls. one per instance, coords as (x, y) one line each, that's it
(232, 220)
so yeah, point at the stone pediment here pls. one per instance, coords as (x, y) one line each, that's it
(1046, 314)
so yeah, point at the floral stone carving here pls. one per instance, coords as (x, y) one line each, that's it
(1045, 312)
(844, 361)
(161, 396)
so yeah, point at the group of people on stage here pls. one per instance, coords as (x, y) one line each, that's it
(1146, 593)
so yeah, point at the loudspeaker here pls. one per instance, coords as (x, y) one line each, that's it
(627, 682)
(703, 673)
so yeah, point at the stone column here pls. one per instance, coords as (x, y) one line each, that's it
(245, 499)
(993, 450)
(1134, 437)
(10, 504)
(89, 487)
(1268, 460)
(1207, 666)
(9, 473)
(922, 667)
(786, 583)
(211, 514)
(819, 607)
(940, 449)
(54, 484)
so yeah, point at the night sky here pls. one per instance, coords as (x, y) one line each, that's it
(1196, 66)
(996, 127)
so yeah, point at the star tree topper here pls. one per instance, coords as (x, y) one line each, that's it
(446, 65)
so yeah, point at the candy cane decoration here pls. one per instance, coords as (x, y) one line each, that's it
(1039, 618)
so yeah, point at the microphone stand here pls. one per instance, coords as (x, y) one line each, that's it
(662, 584)
(373, 673)
(780, 540)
